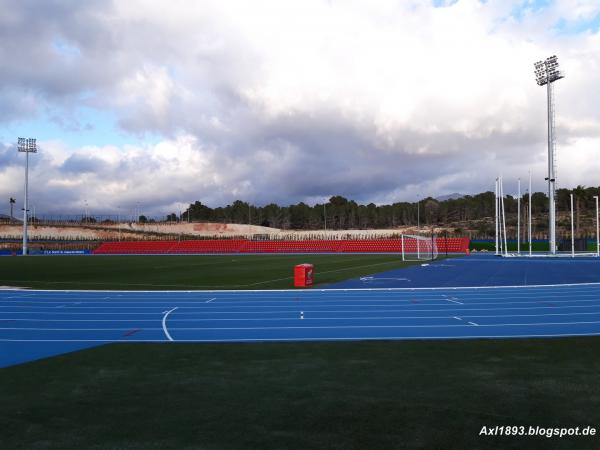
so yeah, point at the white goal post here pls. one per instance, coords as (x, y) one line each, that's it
(418, 248)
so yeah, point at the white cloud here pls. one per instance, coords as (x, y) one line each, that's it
(297, 100)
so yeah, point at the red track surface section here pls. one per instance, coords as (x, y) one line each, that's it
(452, 245)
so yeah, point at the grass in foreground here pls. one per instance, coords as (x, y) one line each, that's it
(157, 272)
(434, 394)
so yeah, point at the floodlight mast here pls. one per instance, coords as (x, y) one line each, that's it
(27, 146)
(546, 72)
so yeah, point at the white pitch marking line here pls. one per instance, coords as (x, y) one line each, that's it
(208, 301)
(473, 323)
(164, 323)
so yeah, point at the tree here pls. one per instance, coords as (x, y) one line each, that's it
(580, 194)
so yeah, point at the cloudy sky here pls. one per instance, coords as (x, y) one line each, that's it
(161, 103)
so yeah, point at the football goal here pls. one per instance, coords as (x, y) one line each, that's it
(415, 248)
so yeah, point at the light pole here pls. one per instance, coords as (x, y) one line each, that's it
(27, 146)
(597, 229)
(529, 215)
(324, 218)
(546, 73)
(12, 202)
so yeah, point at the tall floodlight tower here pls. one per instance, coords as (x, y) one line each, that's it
(546, 73)
(26, 146)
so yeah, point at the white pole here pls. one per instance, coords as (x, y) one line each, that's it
(551, 185)
(496, 212)
(572, 230)
(25, 205)
(503, 216)
(519, 220)
(597, 229)
(402, 243)
(530, 213)
(418, 215)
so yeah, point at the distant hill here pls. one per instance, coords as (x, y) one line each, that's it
(6, 218)
(452, 196)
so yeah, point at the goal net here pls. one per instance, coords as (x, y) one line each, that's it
(415, 248)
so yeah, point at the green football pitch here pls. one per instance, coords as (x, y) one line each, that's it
(334, 395)
(158, 272)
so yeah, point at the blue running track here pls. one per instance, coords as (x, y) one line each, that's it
(484, 270)
(37, 324)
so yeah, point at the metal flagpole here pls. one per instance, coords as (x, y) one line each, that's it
(572, 231)
(496, 212)
(503, 216)
(519, 220)
(530, 213)
(597, 229)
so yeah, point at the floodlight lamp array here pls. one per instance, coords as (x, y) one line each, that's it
(547, 71)
(27, 145)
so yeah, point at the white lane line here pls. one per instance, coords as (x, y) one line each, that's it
(445, 288)
(208, 301)
(333, 303)
(381, 311)
(332, 296)
(323, 298)
(340, 327)
(60, 306)
(454, 301)
(262, 318)
(164, 323)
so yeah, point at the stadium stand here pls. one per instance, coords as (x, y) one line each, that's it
(135, 247)
(209, 246)
(371, 246)
(292, 246)
(451, 245)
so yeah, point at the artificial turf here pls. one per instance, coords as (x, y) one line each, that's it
(345, 395)
(159, 272)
